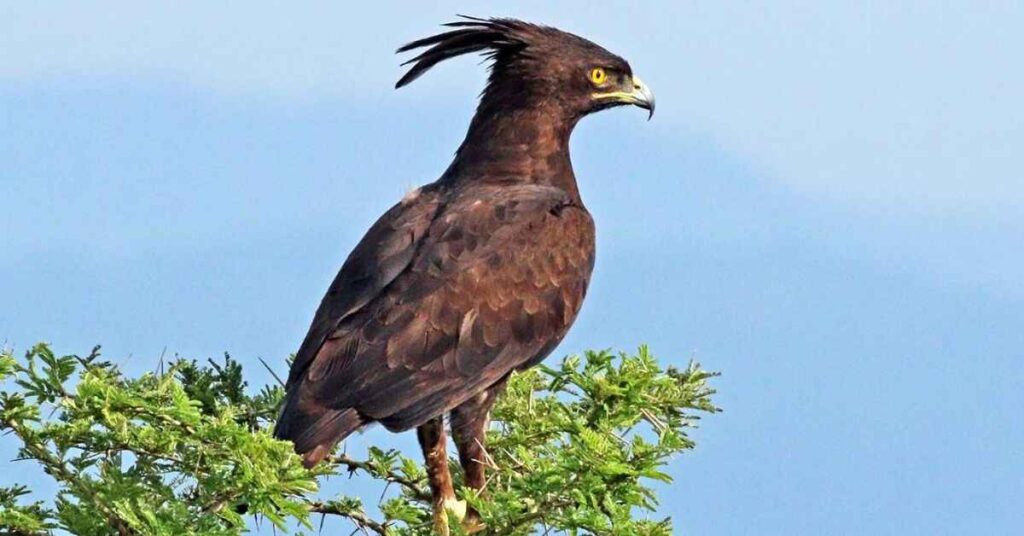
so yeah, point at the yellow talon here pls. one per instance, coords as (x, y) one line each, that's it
(472, 524)
(455, 506)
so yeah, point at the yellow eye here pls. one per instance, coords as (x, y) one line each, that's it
(598, 76)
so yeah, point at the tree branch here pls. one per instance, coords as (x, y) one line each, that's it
(360, 519)
(390, 476)
(55, 467)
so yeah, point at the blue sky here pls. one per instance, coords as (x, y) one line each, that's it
(827, 208)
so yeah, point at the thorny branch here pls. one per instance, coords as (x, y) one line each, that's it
(360, 519)
(390, 476)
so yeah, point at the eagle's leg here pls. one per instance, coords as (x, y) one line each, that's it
(432, 440)
(469, 428)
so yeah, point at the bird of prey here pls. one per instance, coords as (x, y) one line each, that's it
(470, 277)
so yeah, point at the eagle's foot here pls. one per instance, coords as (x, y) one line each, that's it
(472, 524)
(441, 511)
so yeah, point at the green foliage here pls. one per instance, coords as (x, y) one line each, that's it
(575, 450)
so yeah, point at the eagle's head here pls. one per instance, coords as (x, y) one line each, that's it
(535, 65)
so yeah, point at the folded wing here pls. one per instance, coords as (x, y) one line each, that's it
(438, 302)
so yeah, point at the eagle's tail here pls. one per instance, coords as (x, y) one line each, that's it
(316, 432)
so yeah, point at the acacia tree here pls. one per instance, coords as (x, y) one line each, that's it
(575, 449)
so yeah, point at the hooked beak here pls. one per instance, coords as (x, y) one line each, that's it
(643, 97)
(640, 96)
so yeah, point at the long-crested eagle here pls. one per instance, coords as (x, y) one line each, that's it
(470, 277)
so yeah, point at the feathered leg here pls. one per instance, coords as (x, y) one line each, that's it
(432, 440)
(469, 427)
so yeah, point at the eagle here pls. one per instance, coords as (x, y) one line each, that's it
(471, 277)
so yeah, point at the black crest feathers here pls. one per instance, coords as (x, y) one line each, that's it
(498, 37)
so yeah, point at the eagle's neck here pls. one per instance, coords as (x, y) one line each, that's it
(517, 144)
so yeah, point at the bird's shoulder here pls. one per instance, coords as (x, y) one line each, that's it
(481, 223)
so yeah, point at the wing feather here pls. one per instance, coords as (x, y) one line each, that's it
(489, 284)
(385, 252)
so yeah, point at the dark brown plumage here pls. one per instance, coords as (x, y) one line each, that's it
(470, 277)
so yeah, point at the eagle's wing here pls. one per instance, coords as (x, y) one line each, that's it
(492, 286)
(384, 252)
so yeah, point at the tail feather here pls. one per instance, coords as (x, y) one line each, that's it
(315, 433)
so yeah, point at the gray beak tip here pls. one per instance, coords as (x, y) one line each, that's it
(643, 96)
